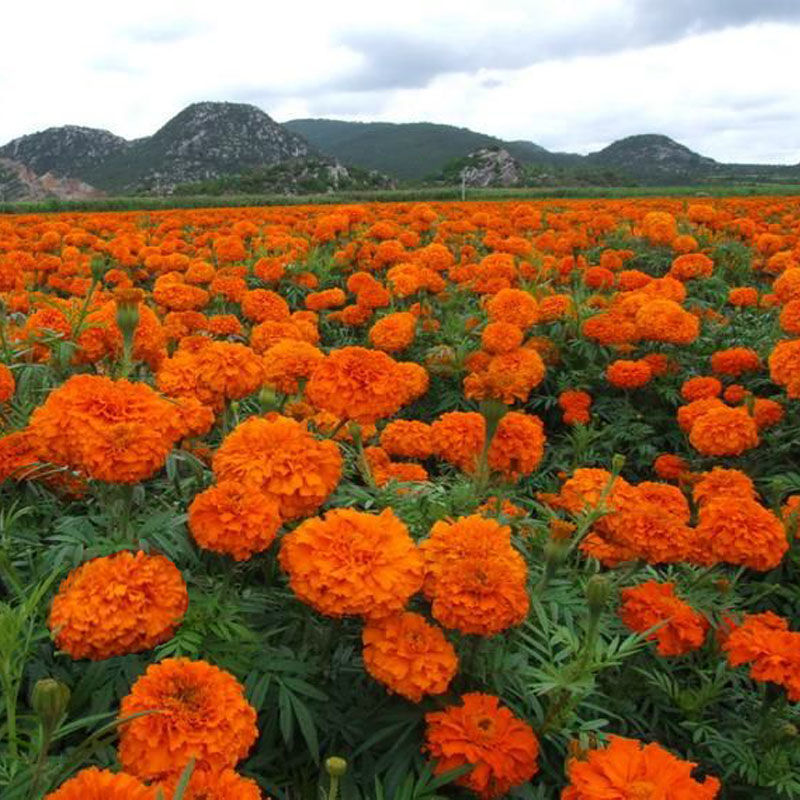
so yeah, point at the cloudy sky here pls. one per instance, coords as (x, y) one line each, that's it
(717, 75)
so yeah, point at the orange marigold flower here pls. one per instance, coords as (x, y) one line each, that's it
(575, 404)
(670, 467)
(628, 374)
(738, 530)
(407, 438)
(457, 437)
(724, 432)
(358, 384)
(207, 784)
(720, 482)
(214, 372)
(773, 651)
(502, 749)
(501, 337)
(700, 387)
(394, 332)
(350, 562)
(514, 306)
(279, 458)
(230, 518)
(118, 604)
(288, 362)
(743, 296)
(518, 445)
(691, 412)
(409, 655)
(784, 366)
(682, 629)
(554, 307)
(666, 321)
(735, 361)
(508, 377)
(329, 298)
(691, 265)
(7, 384)
(627, 768)
(114, 431)
(610, 328)
(475, 578)
(200, 713)
(100, 784)
(263, 336)
(766, 412)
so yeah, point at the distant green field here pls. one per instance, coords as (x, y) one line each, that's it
(397, 195)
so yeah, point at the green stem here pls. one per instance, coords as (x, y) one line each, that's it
(47, 734)
(333, 792)
(10, 693)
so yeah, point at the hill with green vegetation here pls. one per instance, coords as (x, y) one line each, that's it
(409, 150)
(299, 176)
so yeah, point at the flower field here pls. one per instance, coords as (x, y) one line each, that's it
(402, 501)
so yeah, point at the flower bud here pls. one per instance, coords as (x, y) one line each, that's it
(335, 766)
(98, 268)
(598, 593)
(617, 463)
(50, 700)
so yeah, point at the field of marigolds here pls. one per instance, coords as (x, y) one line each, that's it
(402, 501)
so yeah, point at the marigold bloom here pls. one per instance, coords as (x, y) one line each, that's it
(784, 366)
(100, 784)
(457, 437)
(766, 412)
(724, 432)
(628, 374)
(691, 265)
(279, 458)
(289, 361)
(502, 748)
(682, 629)
(206, 784)
(666, 321)
(358, 384)
(475, 578)
(407, 438)
(508, 377)
(118, 604)
(199, 712)
(329, 298)
(720, 482)
(514, 306)
(349, 562)
(263, 305)
(394, 332)
(7, 384)
(670, 467)
(233, 519)
(517, 447)
(738, 530)
(735, 361)
(501, 337)
(408, 655)
(628, 769)
(114, 431)
(575, 404)
(700, 387)
(743, 296)
(689, 414)
(773, 651)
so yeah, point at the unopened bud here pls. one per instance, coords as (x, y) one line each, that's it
(617, 463)
(789, 730)
(50, 700)
(98, 268)
(335, 766)
(598, 592)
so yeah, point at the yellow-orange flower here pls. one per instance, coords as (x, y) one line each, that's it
(350, 562)
(279, 458)
(197, 711)
(100, 784)
(408, 655)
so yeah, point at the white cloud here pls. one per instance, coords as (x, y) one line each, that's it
(570, 76)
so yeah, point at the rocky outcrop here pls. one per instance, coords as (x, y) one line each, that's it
(18, 182)
(490, 167)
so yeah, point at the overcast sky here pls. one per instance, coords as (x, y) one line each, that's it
(721, 76)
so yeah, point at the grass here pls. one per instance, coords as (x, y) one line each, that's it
(150, 203)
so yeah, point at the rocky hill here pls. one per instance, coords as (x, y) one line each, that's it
(298, 176)
(68, 151)
(18, 182)
(654, 157)
(204, 141)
